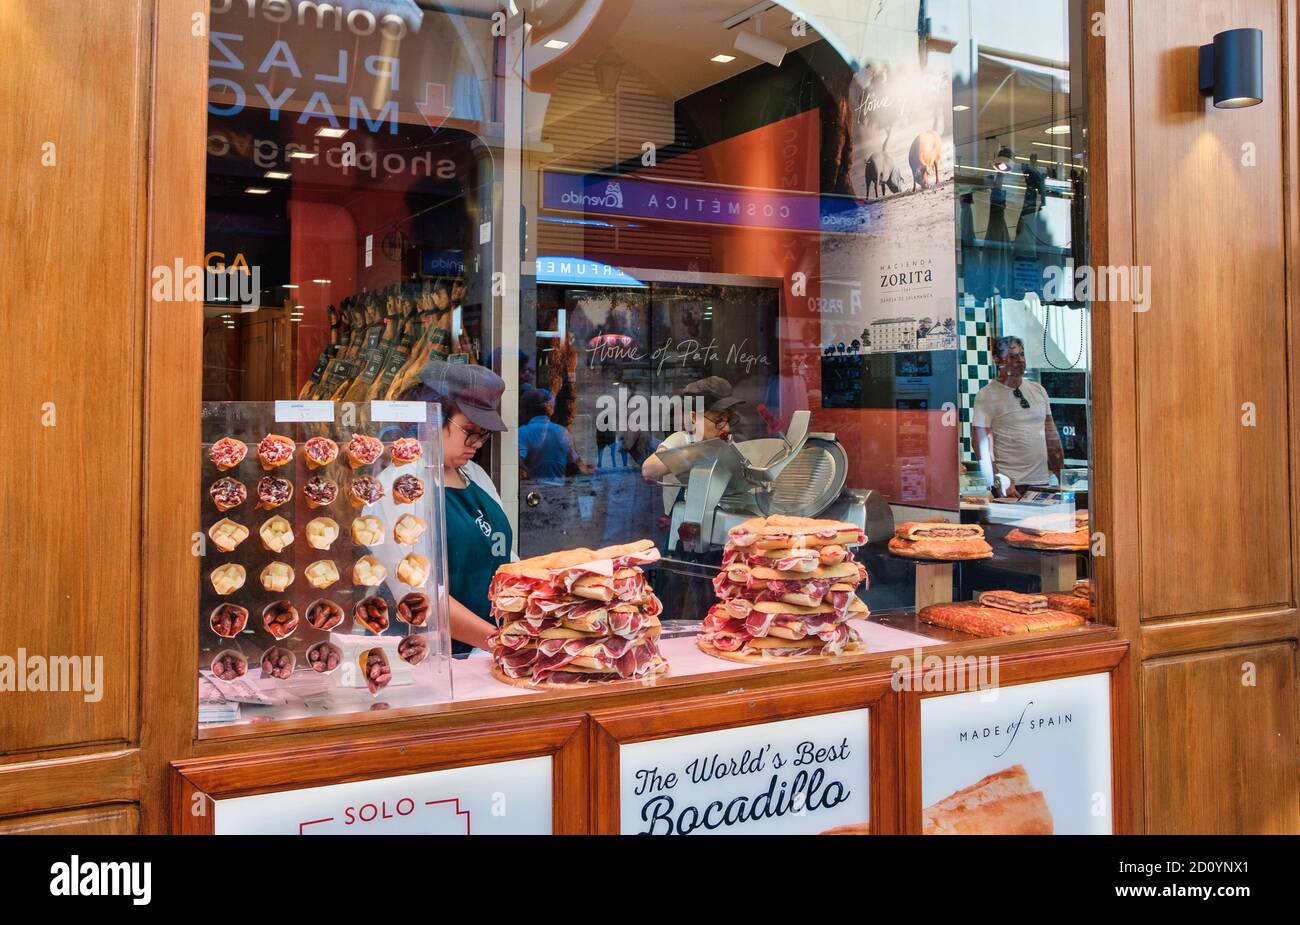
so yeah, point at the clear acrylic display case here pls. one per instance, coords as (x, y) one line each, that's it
(305, 648)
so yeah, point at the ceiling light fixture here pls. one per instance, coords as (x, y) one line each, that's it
(960, 108)
(1063, 129)
(331, 132)
(723, 59)
(555, 44)
(257, 190)
(764, 49)
(277, 175)
(302, 155)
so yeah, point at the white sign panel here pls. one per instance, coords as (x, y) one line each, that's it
(1035, 759)
(312, 411)
(795, 777)
(506, 798)
(407, 411)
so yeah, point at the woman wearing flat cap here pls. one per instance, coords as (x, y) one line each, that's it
(479, 538)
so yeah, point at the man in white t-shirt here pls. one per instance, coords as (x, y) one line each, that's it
(1012, 425)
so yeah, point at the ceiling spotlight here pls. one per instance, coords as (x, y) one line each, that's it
(303, 155)
(1063, 129)
(761, 48)
(331, 132)
(555, 44)
(723, 59)
(960, 108)
(290, 285)
(257, 190)
(321, 282)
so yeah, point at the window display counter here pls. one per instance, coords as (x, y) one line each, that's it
(929, 732)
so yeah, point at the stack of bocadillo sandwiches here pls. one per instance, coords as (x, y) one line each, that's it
(940, 542)
(786, 590)
(1001, 613)
(576, 617)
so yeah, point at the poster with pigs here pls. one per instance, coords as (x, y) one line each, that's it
(888, 283)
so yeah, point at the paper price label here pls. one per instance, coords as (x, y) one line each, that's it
(304, 411)
(406, 412)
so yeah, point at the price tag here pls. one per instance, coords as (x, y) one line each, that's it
(406, 412)
(304, 411)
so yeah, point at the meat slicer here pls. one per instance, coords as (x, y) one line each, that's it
(721, 484)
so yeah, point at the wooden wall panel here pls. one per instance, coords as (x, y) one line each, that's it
(1220, 756)
(97, 820)
(1215, 526)
(71, 76)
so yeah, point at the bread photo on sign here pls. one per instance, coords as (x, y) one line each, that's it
(576, 618)
(1004, 803)
(940, 542)
(1065, 532)
(787, 590)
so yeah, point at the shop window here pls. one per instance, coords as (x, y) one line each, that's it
(841, 260)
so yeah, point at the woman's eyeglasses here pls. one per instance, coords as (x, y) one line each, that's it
(476, 438)
(1024, 402)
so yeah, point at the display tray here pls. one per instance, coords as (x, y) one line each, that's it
(885, 634)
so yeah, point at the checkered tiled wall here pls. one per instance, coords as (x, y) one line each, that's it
(975, 365)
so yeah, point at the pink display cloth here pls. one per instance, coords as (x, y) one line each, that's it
(472, 677)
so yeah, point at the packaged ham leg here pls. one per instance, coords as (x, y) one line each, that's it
(575, 618)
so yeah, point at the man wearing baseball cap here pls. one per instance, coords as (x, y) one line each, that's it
(479, 535)
(713, 395)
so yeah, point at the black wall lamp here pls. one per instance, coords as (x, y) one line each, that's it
(1232, 69)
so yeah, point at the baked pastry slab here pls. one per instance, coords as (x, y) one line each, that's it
(1067, 542)
(941, 550)
(1071, 603)
(977, 620)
